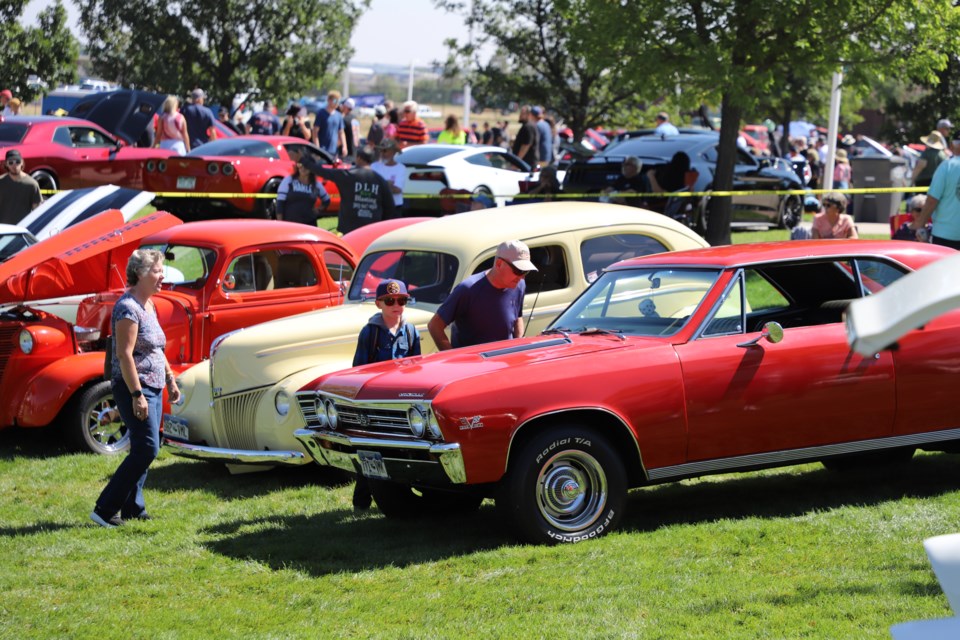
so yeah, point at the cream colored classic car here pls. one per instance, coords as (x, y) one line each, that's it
(239, 408)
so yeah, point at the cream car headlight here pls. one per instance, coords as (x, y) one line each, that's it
(26, 341)
(331, 410)
(281, 402)
(417, 420)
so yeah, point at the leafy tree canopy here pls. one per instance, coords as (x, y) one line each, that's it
(47, 50)
(283, 48)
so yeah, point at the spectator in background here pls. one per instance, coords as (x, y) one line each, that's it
(672, 176)
(365, 196)
(487, 137)
(223, 116)
(544, 136)
(526, 146)
(172, 128)
(816, 169)
(351, 130)
(298, 195)
(19, 193)
(5, 97)
(842, 175)
(411, 130)
(630, 181)
(265, 122)
(942, 205)
(328, 127)
(452, 133)
(14, 106)
(955, 146)
(496, 137)
(545, 189)
(930, 158)
(392, 123)
(376, 132)
(664, 126)
(200, 120)
(473, 136)
(944, 127)
(391, 170)
(833, 222)
(505, 132)
(295, 124)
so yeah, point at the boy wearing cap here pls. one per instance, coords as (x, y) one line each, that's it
(19, 193)
(487, 306)
(386, 336)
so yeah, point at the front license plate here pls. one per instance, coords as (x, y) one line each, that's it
(175, 427)
(186, 182)
(371, 465)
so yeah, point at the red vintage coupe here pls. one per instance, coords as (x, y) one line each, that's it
(669, 366)
(243, 164)
(69, 153)
(220, 276)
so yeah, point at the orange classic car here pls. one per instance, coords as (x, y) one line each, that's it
(668, 366)
(220, 276)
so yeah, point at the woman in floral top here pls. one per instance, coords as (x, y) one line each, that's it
(140, 373)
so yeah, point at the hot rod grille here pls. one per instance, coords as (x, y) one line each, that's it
(7, 345)
(236, 419)
(373, 420)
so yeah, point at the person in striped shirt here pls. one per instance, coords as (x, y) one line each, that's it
(411, 129)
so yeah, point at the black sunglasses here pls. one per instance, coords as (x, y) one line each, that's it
(516, 272)
(12, 162)
(391, 301)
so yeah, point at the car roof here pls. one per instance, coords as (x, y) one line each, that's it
(912, 254)
(660, 145)
(240, 233)
(38, 119)
(489, 227)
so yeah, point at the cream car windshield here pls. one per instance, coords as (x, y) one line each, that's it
(642, 302)
(184, 265)
(429, 275)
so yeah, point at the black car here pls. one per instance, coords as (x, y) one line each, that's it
(754, 175)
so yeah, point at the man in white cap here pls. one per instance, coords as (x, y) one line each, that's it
(487, 306)
(944, 126)
(200, 120)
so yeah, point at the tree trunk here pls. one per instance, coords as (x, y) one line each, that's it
(718, 220)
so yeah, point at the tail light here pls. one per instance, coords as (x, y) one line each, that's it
(162, 166)
(434, 176)
(228, 169)
(213, 168)
(151, 165)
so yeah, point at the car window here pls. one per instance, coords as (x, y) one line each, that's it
(184, 265)
(236, 147)
(301, 148)
(429, 275)
(876, 274)
(728, 318)
(551, 274)
(338, 267)
(252, 272)
(62, 136)
(504, 162)
(596, 254)
(480, 160)
(294, 269)
(87, 137)
(12, 132)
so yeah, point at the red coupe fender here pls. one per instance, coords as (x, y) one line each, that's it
(53, 386)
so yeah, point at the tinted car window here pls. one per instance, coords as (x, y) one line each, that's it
(12, 132)
(236, 147)
(62, 136)
(429, 275)
(653, 147)
(423, 154)
(87, 137)
(599, 253)
(551, 273)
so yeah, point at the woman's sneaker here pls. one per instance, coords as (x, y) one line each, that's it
(110, 522)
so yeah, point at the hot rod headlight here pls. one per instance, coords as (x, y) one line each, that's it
(281, 402)
(331, 411)
(26, 341)
(433, 428)
(417, 420)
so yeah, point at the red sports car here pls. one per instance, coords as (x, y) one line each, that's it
(243, 164)
(70, 153)
(669, 366)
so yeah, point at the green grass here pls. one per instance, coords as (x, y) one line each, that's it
(794, 553)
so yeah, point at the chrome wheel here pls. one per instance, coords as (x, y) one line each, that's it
(571, 491)
(98, 426)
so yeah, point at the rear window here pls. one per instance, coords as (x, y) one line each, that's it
(12, 132)
(423, 154)
(653, 147)
(236, 147)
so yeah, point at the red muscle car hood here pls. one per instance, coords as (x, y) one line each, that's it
(423, 377)
(85, 258)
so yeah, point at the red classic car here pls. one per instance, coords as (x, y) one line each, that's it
(220, 276)
(67, 153)
(243, 164)
(669, 366)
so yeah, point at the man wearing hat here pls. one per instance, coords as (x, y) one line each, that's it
(487, 306)
(200, 120)
(392, 171)
(19, 193)
(5, 97)
(933, 154)
(944, 127)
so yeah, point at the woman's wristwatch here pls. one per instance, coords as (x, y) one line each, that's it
(138, 393)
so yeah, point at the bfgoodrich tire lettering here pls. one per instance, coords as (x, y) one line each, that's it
(566, 485)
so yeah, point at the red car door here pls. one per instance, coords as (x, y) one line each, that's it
(94, 154)
(808, 389)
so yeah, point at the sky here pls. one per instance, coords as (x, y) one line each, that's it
(384, 34)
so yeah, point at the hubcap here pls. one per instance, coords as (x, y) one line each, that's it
(571, 490)
(105, 427)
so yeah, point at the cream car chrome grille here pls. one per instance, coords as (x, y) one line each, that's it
(236, 419)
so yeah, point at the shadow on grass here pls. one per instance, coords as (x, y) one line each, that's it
(33, 529)
(42, 442)
(340, 541)
(216, 479)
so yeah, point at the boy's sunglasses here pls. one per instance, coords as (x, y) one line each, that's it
(391, 301)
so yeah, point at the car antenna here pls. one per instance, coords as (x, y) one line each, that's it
(533, 306)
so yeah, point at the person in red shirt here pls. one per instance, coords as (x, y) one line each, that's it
(411, 129)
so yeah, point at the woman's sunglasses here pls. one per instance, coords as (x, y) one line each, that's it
(391, 301)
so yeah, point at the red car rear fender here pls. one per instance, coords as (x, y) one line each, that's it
(53, 386)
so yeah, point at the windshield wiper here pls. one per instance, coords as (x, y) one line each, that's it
(596, 330)
(564, 331)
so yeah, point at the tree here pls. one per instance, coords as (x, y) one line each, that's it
(48, 50)
(283, 48)
(587, 60)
